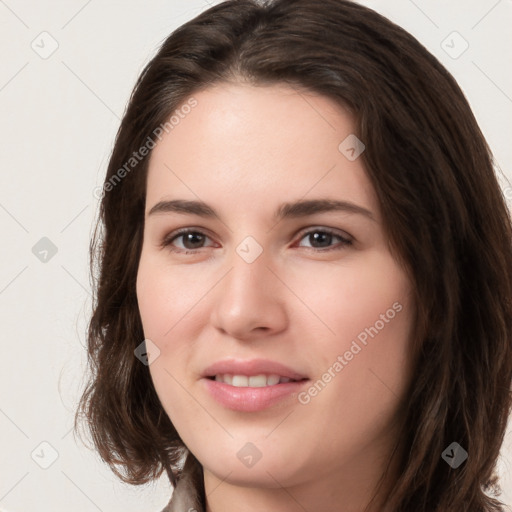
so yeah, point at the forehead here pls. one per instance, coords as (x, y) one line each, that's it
(258, 142)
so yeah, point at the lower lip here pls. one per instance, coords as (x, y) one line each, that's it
(249, 399)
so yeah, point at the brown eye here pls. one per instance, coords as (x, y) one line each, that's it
(323, 239)
(190, 240)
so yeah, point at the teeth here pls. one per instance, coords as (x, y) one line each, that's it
(254, 381)
(240, 381)
(257, 381)
(272, 380)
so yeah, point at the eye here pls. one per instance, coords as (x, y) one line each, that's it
(192, 240)
(322, 239)
(319, 238)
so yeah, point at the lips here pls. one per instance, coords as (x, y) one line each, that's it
(251, 368)
(250, 386)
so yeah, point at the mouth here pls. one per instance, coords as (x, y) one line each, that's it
(252, 385)
(252, 381)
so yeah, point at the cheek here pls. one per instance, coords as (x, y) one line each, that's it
(364, 352)
(363, 369)
(366, 294)
(166, 304)
(164, 296)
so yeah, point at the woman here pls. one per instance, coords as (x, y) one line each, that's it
(232, 346)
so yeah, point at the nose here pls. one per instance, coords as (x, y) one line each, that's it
(250, 300)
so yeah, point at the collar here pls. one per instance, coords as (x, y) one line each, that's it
(189, 491)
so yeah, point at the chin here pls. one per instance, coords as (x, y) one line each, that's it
(261, 475)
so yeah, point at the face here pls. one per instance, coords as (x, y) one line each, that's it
(280, 317)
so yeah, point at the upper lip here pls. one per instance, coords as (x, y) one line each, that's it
(251, 367)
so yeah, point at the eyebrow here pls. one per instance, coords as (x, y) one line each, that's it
(295, 209)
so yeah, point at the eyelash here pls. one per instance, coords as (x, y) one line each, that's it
(167, 241)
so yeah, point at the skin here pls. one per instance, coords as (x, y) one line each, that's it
(244, 150)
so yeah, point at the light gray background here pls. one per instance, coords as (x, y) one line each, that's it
(59, 116)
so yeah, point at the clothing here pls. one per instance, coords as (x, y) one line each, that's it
(188, 495)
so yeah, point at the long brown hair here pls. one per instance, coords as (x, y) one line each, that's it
(443, 210)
